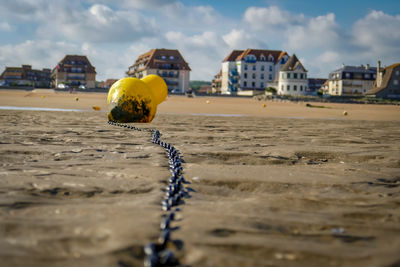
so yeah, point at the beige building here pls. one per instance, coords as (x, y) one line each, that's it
(168, 64)
(25, 76)
(74, 71)
(387, 82)
(352, 80)
(216, 83)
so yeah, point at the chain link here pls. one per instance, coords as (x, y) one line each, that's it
(157, 253)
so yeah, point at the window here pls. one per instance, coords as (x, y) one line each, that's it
(245, 84)
(367, 76)
(262, 58)
(171, 57)
(288, 87)
(163, 57)
(270, 77)
(288, 75)
(262, 68)
(254, 75)
(282, 88)
(270, 58)
(254, 67)
(283, 76)
(262, 76)
(295, 75)
(347, 75)
(301, 76)
(245, 66)
(253, 84)
(294, 87)
(262, 85)
(270, 68)
(396, 82)
(245, 75)
(397, 73)
(301, 87)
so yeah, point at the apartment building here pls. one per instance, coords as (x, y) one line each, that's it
(293, 78)
(251, 70)
(75, 71)
(316, 84)
(387, 83)
(216, 83)
(25, 76)
(352, 80)
(169, 64)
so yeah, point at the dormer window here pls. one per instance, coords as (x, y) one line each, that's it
(271, 58)
(171, 57)
(262, 58)
(163, 57)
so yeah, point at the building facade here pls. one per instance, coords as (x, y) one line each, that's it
(216, 83)
(26, 76)
(293, 78)
(387, 83)
(75, 71)
(166, 63)
(352, 80)
(251, 70)
(315, 85)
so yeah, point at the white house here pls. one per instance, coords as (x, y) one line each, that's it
(293, 78)
(251, 70)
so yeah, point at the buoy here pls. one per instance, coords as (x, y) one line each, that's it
(76, 98)
(96, 108)
(208, 101)
(43, 96)
(135, 100)
(345, 113)
(264, 105)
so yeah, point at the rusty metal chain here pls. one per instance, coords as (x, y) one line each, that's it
(157, 253)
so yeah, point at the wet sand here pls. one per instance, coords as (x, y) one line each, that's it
(284, 185)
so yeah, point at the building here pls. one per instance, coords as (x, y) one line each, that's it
(25, 76)
(251, 70)
(108, 83)
(352, 80)
(75, 71)
(168, 64)
(387, 83)
(316, 84)
(216, 83)
(292, 78)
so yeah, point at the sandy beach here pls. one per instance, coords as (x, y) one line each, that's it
(280, 185)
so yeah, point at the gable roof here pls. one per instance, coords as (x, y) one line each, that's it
(153, 57)
(237, 55)
(83, 60)
(386, 75)
(292, 64)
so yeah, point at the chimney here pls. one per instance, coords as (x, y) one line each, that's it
(367, 67)
(378, 69)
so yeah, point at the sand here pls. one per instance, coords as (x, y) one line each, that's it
(281, 185)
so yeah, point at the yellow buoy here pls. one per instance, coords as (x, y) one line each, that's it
(134, 100)
(76, 98)
(96, 108)
(264, 105)
(43, 96)
(345, 113)
(208, 101)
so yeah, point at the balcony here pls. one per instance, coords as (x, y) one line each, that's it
(233, 73)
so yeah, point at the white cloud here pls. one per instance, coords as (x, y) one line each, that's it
(321, 32)
(260, 18)
(5, 27)
(39, 54)
(379, 33)
(242, 39)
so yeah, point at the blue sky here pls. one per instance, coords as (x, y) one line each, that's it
(112, 33)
